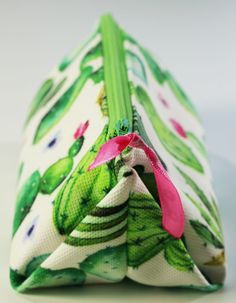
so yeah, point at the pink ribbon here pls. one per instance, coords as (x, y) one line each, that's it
(171, 205)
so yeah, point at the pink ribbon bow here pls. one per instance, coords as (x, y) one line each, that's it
(171, 205)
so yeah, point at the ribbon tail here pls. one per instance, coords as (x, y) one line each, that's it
(171, 205)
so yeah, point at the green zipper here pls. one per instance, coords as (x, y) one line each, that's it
(115, 73)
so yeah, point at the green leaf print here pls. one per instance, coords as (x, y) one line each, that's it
(25, 199)
(207, 217)
(197, 143)
(43, 91)
(64, 103)
(177, 256)
(163, 76)
(54, 91)
(109, 263)
(180, 95)
(35, 263)
(55, 175)
(135, 64)
(45, 277)
(205, 234)
(174, 145)
(211, 207)
(94, 53)
(156, 70)
(69, 59)
(145, 235)
(43, 101)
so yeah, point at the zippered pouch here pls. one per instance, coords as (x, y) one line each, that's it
(114, 179)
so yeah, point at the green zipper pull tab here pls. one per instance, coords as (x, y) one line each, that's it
(116, 78)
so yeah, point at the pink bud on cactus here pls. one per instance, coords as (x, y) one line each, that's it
(178, 128)
(81, 130)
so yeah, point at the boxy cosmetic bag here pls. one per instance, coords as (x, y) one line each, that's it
(114, 179)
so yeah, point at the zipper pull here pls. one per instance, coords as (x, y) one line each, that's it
(171, 205)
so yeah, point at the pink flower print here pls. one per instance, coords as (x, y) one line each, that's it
(178, 128)
(81, 130)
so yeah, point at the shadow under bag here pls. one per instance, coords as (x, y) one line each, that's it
(114, 179)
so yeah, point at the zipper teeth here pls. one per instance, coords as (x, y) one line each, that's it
(115, 73)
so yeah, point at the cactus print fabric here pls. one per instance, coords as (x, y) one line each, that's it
(75, 226)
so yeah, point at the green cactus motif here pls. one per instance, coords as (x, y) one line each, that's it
(83, 190)
(55, 175)
(97, 76)
(180, 94)
(145, 235)
(156, 70)
(210, 206)
(104, 218)
(135, 64)
(58, 171)
(216, 229)
(91, 154)
(177, 256)
(212, 232)
(43, 91)
(35, 263)
(45, 277)
(109, 263)
(76, 147)
(205, 234)
(94, 53)
(174, 145)
(25, 199)
(63, 104)
(16, 278)
(79, 196)
(43, 100)
(163, 76)
(197, 143)
(108, 223)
